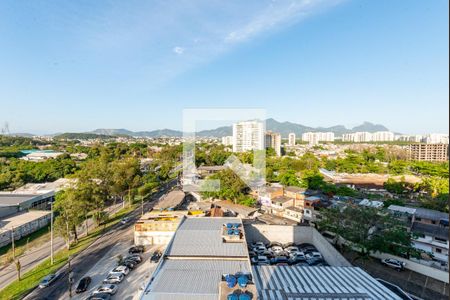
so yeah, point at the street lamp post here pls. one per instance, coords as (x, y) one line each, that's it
(51, 233)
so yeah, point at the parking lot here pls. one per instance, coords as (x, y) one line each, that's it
(132, 283)
(275, 253)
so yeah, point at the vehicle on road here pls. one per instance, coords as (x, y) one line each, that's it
(113, 279)
(47, 280)
(155, 257)
(120, 270)
(125, 220)
(136, 249)
(83, 284)
(394, 263)
(99, 296)
(106, 289)
(260, 260)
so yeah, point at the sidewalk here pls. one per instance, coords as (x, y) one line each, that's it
(34, 256)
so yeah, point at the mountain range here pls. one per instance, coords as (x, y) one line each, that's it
(284, 128)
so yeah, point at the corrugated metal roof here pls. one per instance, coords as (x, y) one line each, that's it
(305, 283)
(192, 279)
(203, 237)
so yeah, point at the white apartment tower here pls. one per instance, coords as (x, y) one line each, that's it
(383, 136)
(227, 140)
(273, 140)
(316, 137)
(248, 136)
(291, 139)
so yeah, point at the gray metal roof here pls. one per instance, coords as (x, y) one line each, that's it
(9, 199)
(171, 200)
(319, 283)
(430, 230)
(431, 214)
(186, 279)
(203, 237)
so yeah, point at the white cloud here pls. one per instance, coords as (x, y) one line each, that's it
(208, 28)
(178, 50)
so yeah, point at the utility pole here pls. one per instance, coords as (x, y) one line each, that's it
(12, 241)
(142, 205)
(51, 233)
(70, 277)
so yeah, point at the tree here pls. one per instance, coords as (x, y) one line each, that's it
(289, 178)
(367, 229)
(124, 176)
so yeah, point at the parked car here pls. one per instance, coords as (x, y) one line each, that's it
(47, 280)
(277, 250)
(125, 220)
(130, 264)
(306, 248)
(99, 296)
(83, 284)
(136, 249)
(260, 260)
(257, 244)
(251, 253)
(120, 270)
(275, 244)
(134, 260)
(135, 257)
(113, 279)
(314, 254)
(106, 289)
(394, 263)
(259, 249)
(295, 259)
(155, 257)
(279, 260)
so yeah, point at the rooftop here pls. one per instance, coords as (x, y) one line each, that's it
(313, 198)
(20, 219)
(195, 279)
(42, 188)
(171, 200)
(402, 209)
(282, 199)
(11, 199)
(294, 189)
(202, 237)
(430, 214)
(431, 230)
(294, 208)
(318, 283)
(237, 208)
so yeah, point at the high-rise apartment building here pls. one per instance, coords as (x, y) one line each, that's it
(316, 137)
(382, 136)
(227, 140)
(291, 139)
(273, 140)
(436, 138)
(248, 136)
(428, 152)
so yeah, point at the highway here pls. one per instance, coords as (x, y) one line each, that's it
(119, 234)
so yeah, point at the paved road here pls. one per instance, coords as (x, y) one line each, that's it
(36, 255)
(119, 234)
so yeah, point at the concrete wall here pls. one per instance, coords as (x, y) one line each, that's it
(295, 234)
(416, 267)
(153, 237)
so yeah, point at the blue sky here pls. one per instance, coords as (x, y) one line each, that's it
(81, 65)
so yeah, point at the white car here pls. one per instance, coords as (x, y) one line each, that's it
(114, 278)
(314, 255)
(299, 255)
(106, 289)
(125, 220)
(394, 263)
(277, 250)
(120, 270)
(258, 244)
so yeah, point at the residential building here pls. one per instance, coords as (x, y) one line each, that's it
(227, 140)
(428, 152)
(294, 192)
(157, 228)
(273, 140)
(293, 213)
(266, 194)
(435, 138)
(291, 139)
(382, 136)
(357, 137)
(316, 137)
(431, 229)
(248, 136)
(279, 204)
